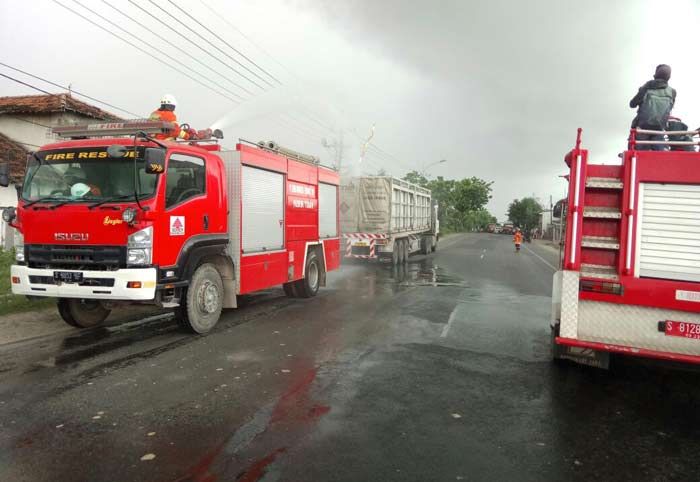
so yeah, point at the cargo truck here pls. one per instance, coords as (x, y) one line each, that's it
(384, 217)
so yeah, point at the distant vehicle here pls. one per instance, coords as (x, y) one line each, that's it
(492, 228)
(386, 217)
(630, 273)
(508, 228)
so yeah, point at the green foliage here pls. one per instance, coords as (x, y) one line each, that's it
(416, 178)
(10, 303)
(461, 203)
(525, 212)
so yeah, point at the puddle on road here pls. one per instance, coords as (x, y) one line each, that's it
(423, 273)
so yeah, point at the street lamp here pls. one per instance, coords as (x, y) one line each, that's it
(424, 168)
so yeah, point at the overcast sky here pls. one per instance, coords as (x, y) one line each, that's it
(496, 88)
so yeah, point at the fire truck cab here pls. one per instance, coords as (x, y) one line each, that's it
(629, 281)
(104, 220)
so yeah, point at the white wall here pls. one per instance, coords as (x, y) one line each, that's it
(19, 127)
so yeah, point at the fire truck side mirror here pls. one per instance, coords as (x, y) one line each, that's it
(154, 158)
(4, 175)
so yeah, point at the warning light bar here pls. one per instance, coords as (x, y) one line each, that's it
(113, 129)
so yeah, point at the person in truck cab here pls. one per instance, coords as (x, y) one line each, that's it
(654, 102)
(76, 178)
(166, 113)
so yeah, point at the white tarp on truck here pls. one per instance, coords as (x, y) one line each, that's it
(380, 204)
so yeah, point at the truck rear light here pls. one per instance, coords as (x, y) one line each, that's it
(15, 280)
(383, 242)
(133, 284)
(601, 287)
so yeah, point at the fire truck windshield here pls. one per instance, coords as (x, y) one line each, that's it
(89, 175)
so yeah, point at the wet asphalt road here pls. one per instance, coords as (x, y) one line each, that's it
(438, 371)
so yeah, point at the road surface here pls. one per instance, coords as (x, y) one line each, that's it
(439, 371)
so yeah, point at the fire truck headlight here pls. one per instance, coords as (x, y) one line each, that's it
(19, 247)
(138, 256)
(129, 215)
(139, 248)
(9, 215)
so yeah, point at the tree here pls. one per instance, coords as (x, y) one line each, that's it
(416, 178)
(525, 213)
(461, 203)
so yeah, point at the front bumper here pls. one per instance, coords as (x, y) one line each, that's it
(106, 285)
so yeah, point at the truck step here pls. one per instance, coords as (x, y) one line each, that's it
(599, 271)
(601, 212)
(604, 182)
(600, 242)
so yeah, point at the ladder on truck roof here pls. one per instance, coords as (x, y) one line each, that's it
(601, 211)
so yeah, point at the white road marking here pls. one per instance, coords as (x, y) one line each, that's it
(541, 258)
(446, 329)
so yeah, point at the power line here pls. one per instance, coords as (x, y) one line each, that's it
(180, 51)
(164, 54)
(68, 89)
(143, 51)
(24, 83)
(216, 47)
(228, 44)
(223, 18)
(180, 34)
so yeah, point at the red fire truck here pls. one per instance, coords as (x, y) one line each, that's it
(630, 274)
(104, 220)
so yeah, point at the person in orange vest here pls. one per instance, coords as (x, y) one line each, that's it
(518, 239)
(166, 113)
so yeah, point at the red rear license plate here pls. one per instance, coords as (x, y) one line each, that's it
(683, 329)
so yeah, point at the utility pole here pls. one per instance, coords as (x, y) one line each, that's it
(338, 147)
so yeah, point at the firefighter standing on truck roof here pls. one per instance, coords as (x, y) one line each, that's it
(166, 113)
(654, 100)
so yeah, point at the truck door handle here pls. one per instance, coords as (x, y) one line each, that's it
(206, 222)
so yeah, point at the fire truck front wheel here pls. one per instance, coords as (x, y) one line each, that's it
(308, 285)
(82, 313)
(202, 302)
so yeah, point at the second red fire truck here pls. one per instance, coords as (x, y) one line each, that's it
(111, 215)
(630, 276)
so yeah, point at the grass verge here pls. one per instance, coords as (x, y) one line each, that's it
(10, 303)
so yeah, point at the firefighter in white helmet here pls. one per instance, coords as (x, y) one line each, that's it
(166, 113)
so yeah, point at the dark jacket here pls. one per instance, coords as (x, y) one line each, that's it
(652, 84)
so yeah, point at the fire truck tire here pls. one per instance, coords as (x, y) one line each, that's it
(556, 350)
(404, 251)
(82, 313)
(290, 289)
(426, 244)
(308, 285)
(202, 302)
(396, 253)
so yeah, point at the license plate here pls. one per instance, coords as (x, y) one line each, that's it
(361, 243)
(683, 329)
(68, 276)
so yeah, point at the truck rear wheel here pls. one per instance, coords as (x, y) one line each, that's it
(426, 244)
(202, 302)
(82, 313)
(308, 285)
(396, 253)
(404, 251)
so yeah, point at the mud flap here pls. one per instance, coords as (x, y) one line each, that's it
(585, 356)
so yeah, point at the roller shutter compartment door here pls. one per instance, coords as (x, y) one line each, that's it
(668, 232)
(263, 210)
(327, 210)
